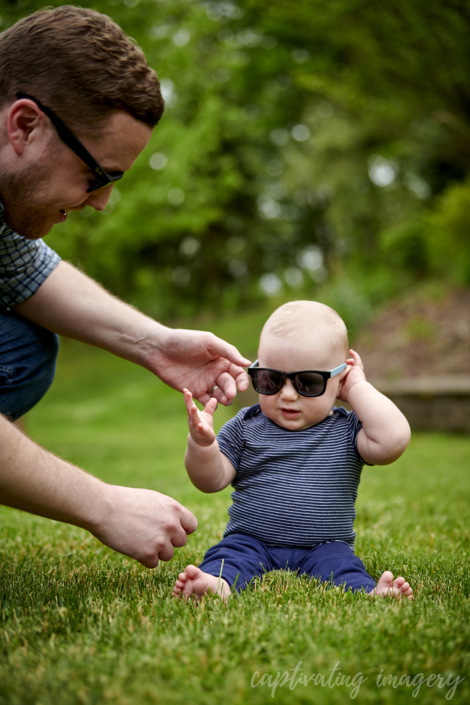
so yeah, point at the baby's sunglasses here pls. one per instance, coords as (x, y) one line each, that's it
(308, 383)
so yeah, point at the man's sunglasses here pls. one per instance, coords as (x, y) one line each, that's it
(104, 179)
(308, 383)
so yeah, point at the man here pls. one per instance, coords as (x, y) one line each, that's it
(78, 103)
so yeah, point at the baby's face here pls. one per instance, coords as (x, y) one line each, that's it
(288, 408)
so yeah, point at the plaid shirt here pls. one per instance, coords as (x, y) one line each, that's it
(24, 265)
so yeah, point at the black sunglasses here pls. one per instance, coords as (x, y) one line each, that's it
(104, 179)
(308, 383)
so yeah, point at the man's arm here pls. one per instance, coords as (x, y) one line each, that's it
(71, 304)
(208, 468)
(141, 524)
(385, 432)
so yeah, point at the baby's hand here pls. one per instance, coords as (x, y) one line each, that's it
(355, 374)
(201, 425)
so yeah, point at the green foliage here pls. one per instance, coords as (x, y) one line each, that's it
(301, 142)
(448, 236)
(437, 242)
(405, 246)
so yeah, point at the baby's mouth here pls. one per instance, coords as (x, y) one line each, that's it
(290, 413)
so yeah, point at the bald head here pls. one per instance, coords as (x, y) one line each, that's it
(300, 320)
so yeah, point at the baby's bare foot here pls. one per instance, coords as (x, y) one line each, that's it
(194, 583)
(388, 586)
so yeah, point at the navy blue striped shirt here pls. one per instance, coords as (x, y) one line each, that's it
(293, 488)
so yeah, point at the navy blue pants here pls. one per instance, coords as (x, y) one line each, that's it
(246, 558)
(28, 355)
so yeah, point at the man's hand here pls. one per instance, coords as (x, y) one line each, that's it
(198, 361)
(143, 524)
(355, 374)
(201, 423)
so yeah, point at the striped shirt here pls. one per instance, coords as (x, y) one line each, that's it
(24, 265)
(293, 488)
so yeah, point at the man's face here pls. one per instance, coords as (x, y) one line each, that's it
(56, 180)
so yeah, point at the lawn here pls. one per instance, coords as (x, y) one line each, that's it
(81, 624)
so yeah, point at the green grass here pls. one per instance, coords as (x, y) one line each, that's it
(81, 624)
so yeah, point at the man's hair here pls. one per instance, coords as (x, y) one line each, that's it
(297, 318)
(81, 65)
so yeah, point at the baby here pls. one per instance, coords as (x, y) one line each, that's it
(294, 460)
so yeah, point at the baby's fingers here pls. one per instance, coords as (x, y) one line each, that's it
(191, 408)
(357, 358)
(211, 406)
(188, 400)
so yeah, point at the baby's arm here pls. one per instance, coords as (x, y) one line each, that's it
(209, 469)
(385, 432)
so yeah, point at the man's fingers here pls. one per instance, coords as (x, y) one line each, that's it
(150, 562)
(177, 537)
(166, 553)
(227, 388)
(228, 382)
(230, 352)
(240, 377)
(188, 521)
(242, 380)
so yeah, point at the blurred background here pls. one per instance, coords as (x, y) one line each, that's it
(308, 150)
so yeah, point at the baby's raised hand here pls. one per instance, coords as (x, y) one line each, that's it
(201, 424)
(355, 374)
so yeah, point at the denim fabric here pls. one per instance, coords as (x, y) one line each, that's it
(28, 355)
(246, 558)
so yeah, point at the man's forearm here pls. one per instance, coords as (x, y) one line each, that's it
(39, 482)
(71, 304)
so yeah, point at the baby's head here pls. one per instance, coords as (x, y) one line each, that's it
(299, 336)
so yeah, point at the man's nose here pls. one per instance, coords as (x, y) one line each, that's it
(99, 199)
(288, 390)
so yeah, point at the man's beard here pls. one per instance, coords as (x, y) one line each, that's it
(23, 213)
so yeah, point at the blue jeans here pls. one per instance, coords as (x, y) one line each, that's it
(28, 356)
(246, 558)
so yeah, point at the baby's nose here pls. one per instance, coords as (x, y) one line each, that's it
(288, 391)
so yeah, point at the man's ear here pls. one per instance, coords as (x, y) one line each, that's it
(25, 121)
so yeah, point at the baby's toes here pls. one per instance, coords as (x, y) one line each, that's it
(398, 582)
(188, 589)
(406, 590)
